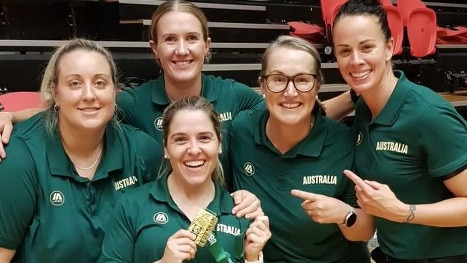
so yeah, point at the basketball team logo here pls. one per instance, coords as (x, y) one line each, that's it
(160, 218)
(249, 169)
(57, 198)
(158, 124)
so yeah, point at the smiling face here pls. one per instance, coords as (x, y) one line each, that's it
(290, 107)
(362, 52)
(84, 90)
(192, 146)
(180, 46)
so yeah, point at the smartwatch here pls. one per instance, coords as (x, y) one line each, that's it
(350, 218)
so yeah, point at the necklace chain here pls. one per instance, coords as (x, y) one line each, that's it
(93, 164)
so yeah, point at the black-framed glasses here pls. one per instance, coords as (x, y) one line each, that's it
(278, 82)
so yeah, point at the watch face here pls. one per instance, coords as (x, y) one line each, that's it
(351, 220)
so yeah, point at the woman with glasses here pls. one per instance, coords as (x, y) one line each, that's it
(292, 159)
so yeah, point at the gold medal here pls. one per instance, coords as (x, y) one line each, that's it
(202, 226)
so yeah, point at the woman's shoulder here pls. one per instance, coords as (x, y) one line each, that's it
(32, 128)
(339, 132)
(137, 93)
(221, 83)
(141, 139)
(337, 126)
(248, 118)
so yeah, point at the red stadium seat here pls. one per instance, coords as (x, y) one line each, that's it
(396, 25)
(329, 10)
(14, 101)
(421, 27)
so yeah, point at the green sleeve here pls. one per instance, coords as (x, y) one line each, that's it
(344, 137)
(443, 136)
(126, 103)
(247, 98)
(18, 194)
(119, 242)
(150, 154)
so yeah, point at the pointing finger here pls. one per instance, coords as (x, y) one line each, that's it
(304, 195)
(357, 180)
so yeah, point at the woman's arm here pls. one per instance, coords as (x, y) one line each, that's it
(7, 119)
(6, 255)
(451, 212)
(18, 195)
(339, 106)
(379, 200)
(329, 210)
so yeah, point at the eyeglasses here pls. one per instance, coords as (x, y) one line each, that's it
(278, 82)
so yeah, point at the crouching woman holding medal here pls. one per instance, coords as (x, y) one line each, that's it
(185, 215)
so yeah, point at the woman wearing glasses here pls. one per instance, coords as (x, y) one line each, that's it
(292, 159)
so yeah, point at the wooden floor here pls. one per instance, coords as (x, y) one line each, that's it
(458, 99)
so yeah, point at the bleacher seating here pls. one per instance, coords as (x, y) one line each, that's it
(240, 30)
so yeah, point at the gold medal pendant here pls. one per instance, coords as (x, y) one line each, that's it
(202, 226)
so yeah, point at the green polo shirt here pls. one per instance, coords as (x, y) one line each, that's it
(51, 214)
(143, 106)
(417, 141)
(146, 217)
(315, 165)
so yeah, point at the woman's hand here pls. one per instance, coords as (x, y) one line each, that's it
(378, 199)
(256, 237)
(6, 128)
(180, 246)
(246, 204)
(321, 208)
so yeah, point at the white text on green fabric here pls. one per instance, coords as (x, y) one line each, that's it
(319, 179)
(228, 229)
(392, 146)
(226, 116)
(125, 182)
